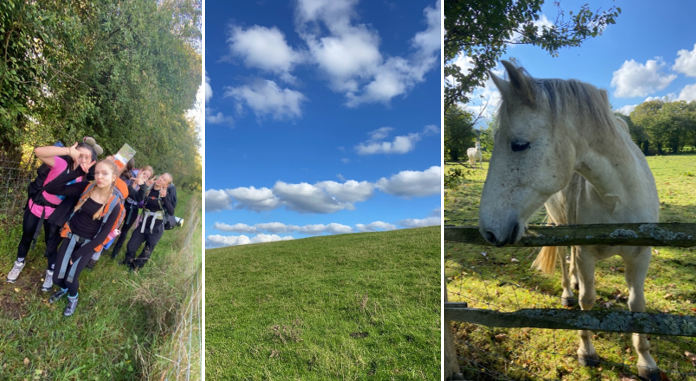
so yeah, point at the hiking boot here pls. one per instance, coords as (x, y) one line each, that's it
(72, 305)
(14, 273)
(91, 264)
(48, 281)
(57, 295)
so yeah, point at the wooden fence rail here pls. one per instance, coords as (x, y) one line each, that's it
(647, 234)
(659, 234)
(611, 321)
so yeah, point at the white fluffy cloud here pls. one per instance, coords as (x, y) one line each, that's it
(237, 228)
(219, 118)
(412, 183)
(266, 98)
(375, 226)
(634, 79)
(279, 227)
(216, 240)
(208, 92)
(264, 48)
(276, 227)
(307, 198)
(349, 191)
(331, 228)
(253, 199)
(686, 62)
(626, 110)
(350, 57)
(217, 200)
(324, 196)
(400, 144)
(688, 93)
(418, 223)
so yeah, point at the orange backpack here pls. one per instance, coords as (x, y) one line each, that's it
(115, 204)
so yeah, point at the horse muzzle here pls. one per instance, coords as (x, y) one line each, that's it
(506, 234)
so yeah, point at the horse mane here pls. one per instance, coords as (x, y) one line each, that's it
(570, 96)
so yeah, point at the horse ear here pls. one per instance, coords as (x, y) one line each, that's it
(502, 85)
(521, 84)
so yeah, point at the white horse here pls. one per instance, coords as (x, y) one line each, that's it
(559, 145)
(475, 154)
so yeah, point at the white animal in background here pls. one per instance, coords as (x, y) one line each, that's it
(475, 154)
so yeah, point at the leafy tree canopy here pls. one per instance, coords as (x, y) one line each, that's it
(458, 133)
(120, 71)
(666, 125)
(481, 31)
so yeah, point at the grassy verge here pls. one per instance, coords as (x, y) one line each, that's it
(124, 322)
(501, 279)
(352, 307)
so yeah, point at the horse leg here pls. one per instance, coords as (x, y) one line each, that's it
(568, 299)
(636, 265)
(574, 278)
(586, 262)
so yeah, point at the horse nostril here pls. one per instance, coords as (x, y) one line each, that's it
(490, 238)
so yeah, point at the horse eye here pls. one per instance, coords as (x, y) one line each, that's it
(518, 146)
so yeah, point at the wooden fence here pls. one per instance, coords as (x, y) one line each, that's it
(654, 234)
(15, 176)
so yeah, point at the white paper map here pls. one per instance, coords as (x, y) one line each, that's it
(124, 155)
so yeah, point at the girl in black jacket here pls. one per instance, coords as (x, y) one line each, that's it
(86, 230)
(157, 199)
(131, 206)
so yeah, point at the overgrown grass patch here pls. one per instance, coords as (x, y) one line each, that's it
(362, 306)
(116, 333)
(501, 279)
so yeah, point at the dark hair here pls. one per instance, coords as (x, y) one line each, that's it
(130, 164)
(90, 148)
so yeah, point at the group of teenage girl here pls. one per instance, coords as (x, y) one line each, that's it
(83, 205)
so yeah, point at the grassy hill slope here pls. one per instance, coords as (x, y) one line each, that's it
(353, 307)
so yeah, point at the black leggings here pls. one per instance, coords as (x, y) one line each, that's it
(29, 225)
(81, 263)
(150, 238)
(52, 245)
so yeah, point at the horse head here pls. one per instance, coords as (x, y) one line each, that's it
(532, 158)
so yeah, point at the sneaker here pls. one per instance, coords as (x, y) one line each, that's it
(91, 264)
(14, 273)
(48, 281)
(72, 305)
(57, 295)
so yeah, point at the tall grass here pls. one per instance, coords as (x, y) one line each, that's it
(126, 322)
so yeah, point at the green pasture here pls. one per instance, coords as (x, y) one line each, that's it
(501, 279)
(124, 324)
(362, 306)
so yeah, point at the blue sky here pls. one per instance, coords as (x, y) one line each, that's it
(649, 53)
(322, 117)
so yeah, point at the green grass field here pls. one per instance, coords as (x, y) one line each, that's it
(486, 281)
(362, 306)
(125, 322)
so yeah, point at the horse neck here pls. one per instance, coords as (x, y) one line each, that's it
(611, 163)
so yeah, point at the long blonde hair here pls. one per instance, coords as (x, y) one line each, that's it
(114, 169)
